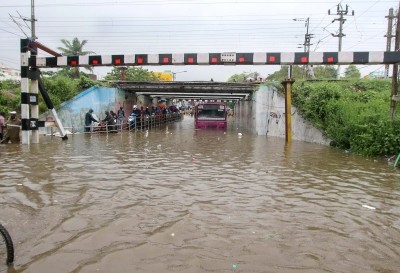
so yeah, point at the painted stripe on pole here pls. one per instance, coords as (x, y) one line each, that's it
(214, 58)
(376, 57)
(165, 59)
(178, 58)
(62, 61)
(287, 58)
(203, 58)
(24, 91)
(391, 57)
(331, 57)
(141, 59)
(257, 58)
(361, 57)
(273, 58)
(260, 58)
(41, 62)
(153, 59)
(191, 58)
(244, 58)
(83, 60)
(316, 57)
(301, 58)
(25, 59)
(345, 57)
(95, 60)
(117, 60)
(129, 59)
(106, 59)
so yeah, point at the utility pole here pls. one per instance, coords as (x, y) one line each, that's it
(33, 20)
(394, 97)
(307, 42)
(389, 36)
(341, 12)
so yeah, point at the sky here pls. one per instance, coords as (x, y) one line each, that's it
(196, 26)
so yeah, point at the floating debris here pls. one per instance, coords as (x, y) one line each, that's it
(368, 207)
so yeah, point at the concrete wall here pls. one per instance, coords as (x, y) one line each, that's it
(265, 115)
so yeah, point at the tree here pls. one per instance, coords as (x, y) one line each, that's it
(237, 77)
(74, 48)
(244, 77)
(131, 74)
(352, 72)
(298, 72)
(325, 72)
(281, 74)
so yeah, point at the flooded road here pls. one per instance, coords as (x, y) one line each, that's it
(177, 199)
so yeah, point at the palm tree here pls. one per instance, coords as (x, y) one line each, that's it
(75, 48)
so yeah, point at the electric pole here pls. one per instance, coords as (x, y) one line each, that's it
(33, 20)
(389, 36)
(307, 42)
(341, 12)
(394, 97)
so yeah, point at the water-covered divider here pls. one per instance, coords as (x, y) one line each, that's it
(265, 113)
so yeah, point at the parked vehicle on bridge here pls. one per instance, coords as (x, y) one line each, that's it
(210, 114)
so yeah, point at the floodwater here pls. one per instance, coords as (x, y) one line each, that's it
(177, 199)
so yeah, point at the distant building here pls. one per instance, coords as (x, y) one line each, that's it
(8, 73)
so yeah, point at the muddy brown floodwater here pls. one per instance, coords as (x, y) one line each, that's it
(177, 199)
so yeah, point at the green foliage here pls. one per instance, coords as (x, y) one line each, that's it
(352, 72)
(74, 48)
(85, 82)
(244, 77)
(10, 96)
(238, 77)
(355, 114)
(299, 72)
(131, 74)
(325, 72)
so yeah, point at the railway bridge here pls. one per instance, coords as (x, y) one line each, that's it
(194, 91)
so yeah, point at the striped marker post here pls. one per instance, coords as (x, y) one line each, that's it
(24, 91)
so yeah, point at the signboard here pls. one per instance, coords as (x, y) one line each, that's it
(164, 76)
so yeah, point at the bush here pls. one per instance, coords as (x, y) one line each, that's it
(355, 114)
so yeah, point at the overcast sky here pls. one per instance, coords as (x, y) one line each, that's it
(196, 26)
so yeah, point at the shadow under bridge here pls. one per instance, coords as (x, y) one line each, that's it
(190, 90)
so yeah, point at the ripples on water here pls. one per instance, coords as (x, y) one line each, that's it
(182, 200)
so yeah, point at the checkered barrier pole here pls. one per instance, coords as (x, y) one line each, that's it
(230, 58)
(24, 91)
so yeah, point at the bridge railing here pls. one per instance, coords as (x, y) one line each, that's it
(140, 123)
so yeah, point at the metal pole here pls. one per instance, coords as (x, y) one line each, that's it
(389, 36)
(33, 28)
(341, 20)
(288, 108)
